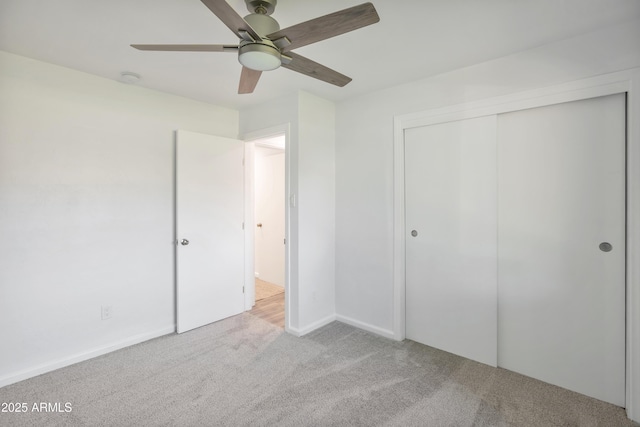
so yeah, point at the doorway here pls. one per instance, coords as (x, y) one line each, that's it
(269, 228)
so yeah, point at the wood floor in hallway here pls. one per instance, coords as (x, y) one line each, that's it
(270, 309)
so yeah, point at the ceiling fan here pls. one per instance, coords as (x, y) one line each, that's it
(264, 46)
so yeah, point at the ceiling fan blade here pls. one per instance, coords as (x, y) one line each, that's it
(188, 47)
(248, 80)
(313, 69)
(230, 18)
(328, 26)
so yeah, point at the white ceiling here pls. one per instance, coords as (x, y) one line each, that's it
(414, 39)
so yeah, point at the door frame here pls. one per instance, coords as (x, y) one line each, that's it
(627, 82)
(250, 139)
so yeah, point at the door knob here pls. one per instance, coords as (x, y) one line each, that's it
(259, 225)
(414, 233)
(184, 242)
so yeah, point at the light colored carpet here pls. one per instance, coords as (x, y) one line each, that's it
(243, 371)
(266, 289)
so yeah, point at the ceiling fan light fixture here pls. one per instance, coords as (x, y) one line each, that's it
(259, 56)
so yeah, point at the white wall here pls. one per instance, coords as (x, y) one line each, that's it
(86, 212)
(311, 222)
(270, 212)
(316, 202)
(364, 153)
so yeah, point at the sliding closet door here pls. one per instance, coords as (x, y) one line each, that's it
(450, 196)
(561, 242)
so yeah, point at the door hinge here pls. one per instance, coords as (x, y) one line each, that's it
(285, 241)
(243, 225)
(243, 289)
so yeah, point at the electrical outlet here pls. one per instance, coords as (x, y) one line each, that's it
(107, 312)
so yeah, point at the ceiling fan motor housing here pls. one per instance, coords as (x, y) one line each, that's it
(260, 55)
(263, 24)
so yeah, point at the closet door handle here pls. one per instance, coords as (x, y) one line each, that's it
(605, 247)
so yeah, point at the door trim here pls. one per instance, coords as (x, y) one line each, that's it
(608, 84)
(250, 138)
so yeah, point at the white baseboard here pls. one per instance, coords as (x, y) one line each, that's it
(344, 319)
(312, 327)
(367, 327)
(80, 357)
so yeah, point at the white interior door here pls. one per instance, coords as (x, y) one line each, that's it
(209, 216)
(450, 196)
(562, 195)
